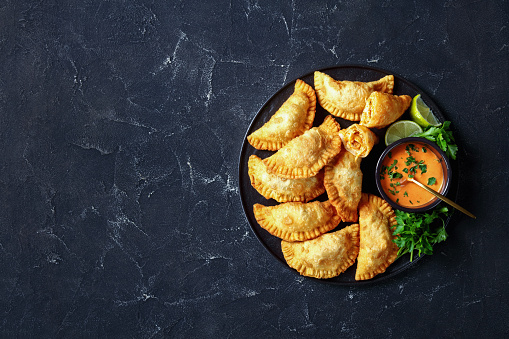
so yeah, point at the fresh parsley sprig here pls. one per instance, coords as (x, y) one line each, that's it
(442, 136)
(420, 231)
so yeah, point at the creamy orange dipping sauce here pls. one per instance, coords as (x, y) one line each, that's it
(415, 160)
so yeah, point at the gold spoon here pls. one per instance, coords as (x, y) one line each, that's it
(443, 198)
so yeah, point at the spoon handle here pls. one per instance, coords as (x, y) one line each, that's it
(440, 196)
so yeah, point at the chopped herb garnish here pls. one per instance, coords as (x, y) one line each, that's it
(393, 164)
(405, 194)
(409, 160)
(395, 175)
(393, 192)
(432, 181)
(410, 147)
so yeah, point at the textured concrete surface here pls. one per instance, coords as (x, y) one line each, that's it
(121, 125)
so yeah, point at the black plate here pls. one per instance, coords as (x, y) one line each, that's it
(250, 196)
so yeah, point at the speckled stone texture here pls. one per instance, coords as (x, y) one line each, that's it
(121, 124)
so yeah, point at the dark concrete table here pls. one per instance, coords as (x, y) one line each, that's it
(121, 124)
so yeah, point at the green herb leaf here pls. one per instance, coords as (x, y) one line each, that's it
(419, 231)
(442, 136)
(409, 160)
(451, 151)
(395, 175)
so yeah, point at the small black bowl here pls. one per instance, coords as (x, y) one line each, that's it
(446, 166)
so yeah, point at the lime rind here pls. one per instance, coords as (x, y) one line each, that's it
(422, 114)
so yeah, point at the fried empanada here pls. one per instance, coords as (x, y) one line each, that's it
(292, 119)
(343, 183)
(283, 190)
(326, 256)
(383, 109)
(297, 221)
(376, 250)
(358, 140)
(305, 155)
(346, 99)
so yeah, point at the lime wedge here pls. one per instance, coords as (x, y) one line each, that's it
(421, 113)
(401, 129)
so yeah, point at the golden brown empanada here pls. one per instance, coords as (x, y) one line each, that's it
(383, 109)
(376, 250)
(326, 256)
(358, 140)
(346, 99)
(305, 155)
(283, 190)
(297, 221)
(292, 119)
(343, 183)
